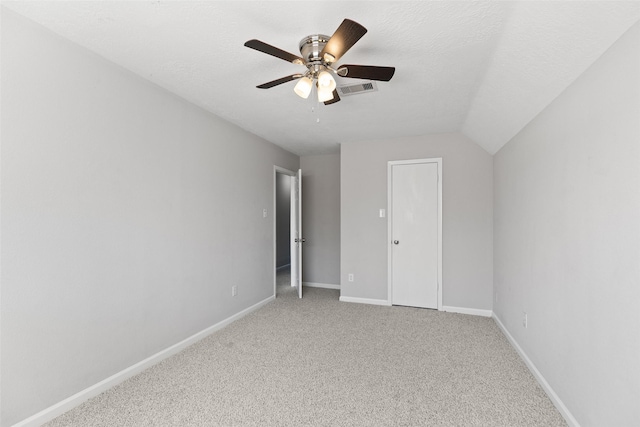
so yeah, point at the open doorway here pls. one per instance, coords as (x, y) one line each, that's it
(287, 224)
(283, 233)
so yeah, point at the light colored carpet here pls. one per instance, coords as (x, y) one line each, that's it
(320, 362)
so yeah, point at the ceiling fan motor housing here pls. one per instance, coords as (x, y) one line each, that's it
(311, 47)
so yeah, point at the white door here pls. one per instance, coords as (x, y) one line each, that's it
(296, 232)
(415, 234)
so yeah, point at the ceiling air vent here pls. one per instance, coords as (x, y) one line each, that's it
(357, 89)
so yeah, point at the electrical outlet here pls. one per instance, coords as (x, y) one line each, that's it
(234, 290)
(524, 320)
(264, 213)
(350, 277)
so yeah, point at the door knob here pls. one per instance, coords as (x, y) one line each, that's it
(395, 242)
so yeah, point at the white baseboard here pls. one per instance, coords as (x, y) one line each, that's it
(471, 311)
(321, 285)
(365, 301)
(564, 411)
(461, 310)
(71, 402)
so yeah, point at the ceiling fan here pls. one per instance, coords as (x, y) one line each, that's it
(319, 53)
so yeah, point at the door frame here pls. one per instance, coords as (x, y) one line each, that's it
(292, 174)
(390, 164)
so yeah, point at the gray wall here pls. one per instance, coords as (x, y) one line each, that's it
(467, 216)
(567, 239)
(321, 218)
(283, 219)
(127, 214)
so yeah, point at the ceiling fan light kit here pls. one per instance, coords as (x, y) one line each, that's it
(319, 53)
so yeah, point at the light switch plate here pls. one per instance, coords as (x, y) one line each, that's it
(382, 213)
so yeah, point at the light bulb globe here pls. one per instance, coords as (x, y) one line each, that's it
(326, 81)
(303, 87)
(324, 94)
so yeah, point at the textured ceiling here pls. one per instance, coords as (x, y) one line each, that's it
(483, 68)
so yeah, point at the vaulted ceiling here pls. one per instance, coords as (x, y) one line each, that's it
(483, 68)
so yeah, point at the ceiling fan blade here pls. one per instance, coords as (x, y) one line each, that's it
(347, 34)
(274, 51)
(368, 72)
(333, 100)
(279, 81)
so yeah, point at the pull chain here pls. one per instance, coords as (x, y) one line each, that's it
(316, 108)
